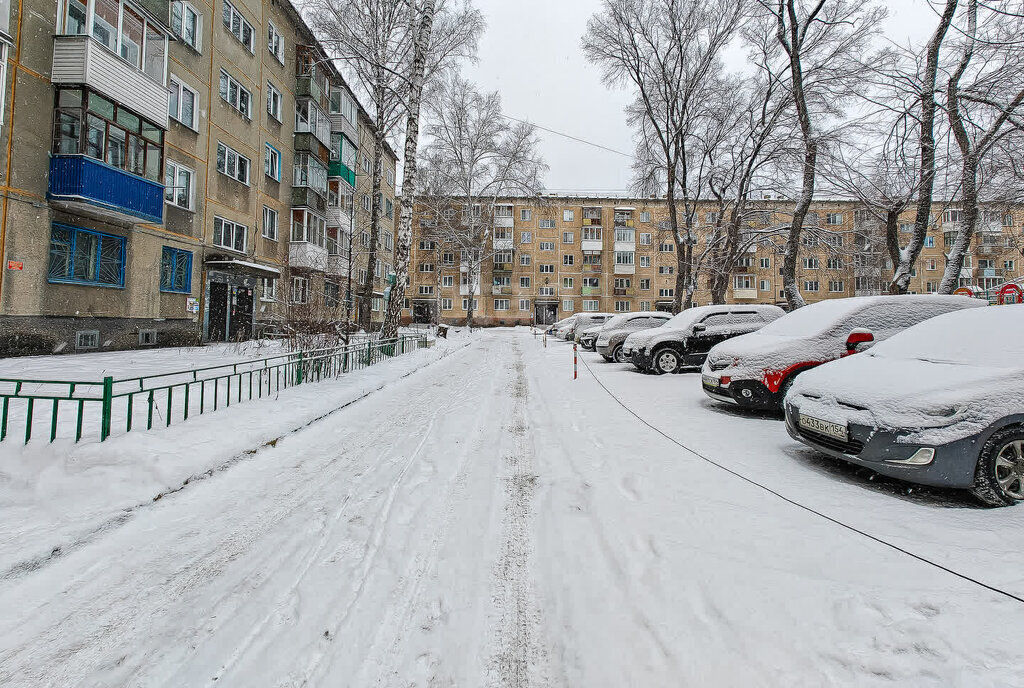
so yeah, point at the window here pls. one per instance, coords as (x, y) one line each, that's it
(1009, 265)
(502, 304)
(86, 123)
(546, 269)
(275, 42)
(833, 218)
(623, 282)
(547, 246)
(525, 237)
(448, 258)
(229, 235)
(365, 202)
(332, 294)
(765, 285)
(645, 238)
(930, 264)
(182, 103)
(308, 171)
(591, 305)
(666, 292)
(810, 285)
(391, 177)
(743, 282)
(234, 94)
(524, 259)
(83, 256)
(524, 304)
(272, 162)
(645, 284)
(952, 216)
(906, 227)
(269, 290)
(240, 29)
(426, 245)
(118, 27)
(389, 208)
(667, 247)
(766, 263)
(811, 264)
(300, 290)
(465, 304)
(269, 223)
(447, 280)
(178, 185)
(745, 262)
(546, 224)
(426, 290)
(567, 283)
(645, 261)
(547, 291)
(929, 242)
(524, 282)
(87, 339)
(567, 237)
(502, 281)
(446, 304)
(666, 269)
(274, 102)
(622, 306)
(568, 215)
(836, 286)
(525, 215)
(931, 287)
(176, 271)
(835, 264)
(232, 163)
(645, 216)
(187, 24)
(426, 267)
(568, 259)
(624, 235)
(567, 305)
(503, 211)
(624, 257)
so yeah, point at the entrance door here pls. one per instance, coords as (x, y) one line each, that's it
(546, 313)
(218, 326)
(241, 314)
(421, 311)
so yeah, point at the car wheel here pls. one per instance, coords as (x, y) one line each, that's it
(999, 477)
(617, 355)
(666, 361)
(607, 358)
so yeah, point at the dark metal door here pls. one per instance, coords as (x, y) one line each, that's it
(218, 327)
(241, 313)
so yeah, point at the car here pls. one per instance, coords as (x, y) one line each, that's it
(588, 337)
(756, 370)
(586, 320)
(556, 325)
(939, 404)
(684, 341)
(562, 326)
(614, 333)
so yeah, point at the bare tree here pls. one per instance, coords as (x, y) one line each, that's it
(984, 97)
(824, 43)
(667, 52)
(474, 156)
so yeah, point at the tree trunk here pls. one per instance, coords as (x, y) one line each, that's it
(403, 246)
(904, 260)
(366, 296)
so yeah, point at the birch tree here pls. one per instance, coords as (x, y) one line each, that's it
(824, 45)
(473, 157)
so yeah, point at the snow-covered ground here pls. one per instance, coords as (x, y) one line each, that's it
(489, 521)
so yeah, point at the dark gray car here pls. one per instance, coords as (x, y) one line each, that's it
(615, 331)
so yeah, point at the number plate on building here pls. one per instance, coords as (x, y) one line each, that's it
(824, 427)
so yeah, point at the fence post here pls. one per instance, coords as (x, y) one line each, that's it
(107, 411)
(369, 353)
(298, 371)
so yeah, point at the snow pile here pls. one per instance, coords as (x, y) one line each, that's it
(52, 493)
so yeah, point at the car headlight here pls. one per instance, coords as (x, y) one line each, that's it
(944, 415)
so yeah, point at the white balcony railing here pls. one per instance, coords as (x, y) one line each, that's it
(744, 294)
(591, 245)
(307, 256)
(625, 269)
(503, 222)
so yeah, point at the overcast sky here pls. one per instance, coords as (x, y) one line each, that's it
(531, 55)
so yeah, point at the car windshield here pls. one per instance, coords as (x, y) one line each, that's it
(992, 337)
(689, 316)
(813, 319)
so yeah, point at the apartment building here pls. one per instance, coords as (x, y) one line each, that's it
(545, 260)
(175, 172)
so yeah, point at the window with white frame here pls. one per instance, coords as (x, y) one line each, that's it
(547, 291)
(645, 284)
(645, 238)
(835, 264)
(426, 267)
(568, 216)
(666, 269)
(300, 290)
(810, 285)
(446, 304)
(269, 290)
(525, 214)
(568, 259)
(524, 282)
(524, 304)
(591, 282)
(502, 304)
(546, 269)
(270, 223)
(235, 94)
(365, 202)
(239, 27)
(232, 163)
(547, 246)
(229, 235)
(666, 292)
(645, 216)
(667, 247)
(645, 261)
(503, 211)
(743, 282)
(765, 285)
(183, 103)
(811, 263)
(645, 305)
(834, 218)
(274, 102)
(567, 237)
(465, 304)
(525, 237)
(272, 162)
(524, 259)
(624, 257)
(591, 305)
(187, 24)
(765, 263)
(622, 306)
(178, 184)
(390, 177)
(275, 42)
(567, 305)
(623, 282)
(836, 286)
(426, 290)
(546, 224)
(567, 283)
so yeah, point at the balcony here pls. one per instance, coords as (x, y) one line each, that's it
(306, 197)
(625, 269)
(990, 272)
(307, 256)
(464, 290)
(501, 290)
(337, 265)
(503, 244)
(503, 222)
(591, 245)
(744, 294)
(591, 291)
(341, 124)
(311, 87)
(627, 246)
(624, 291)
(339, 169)
(82, 60)
(592, 267)
(338, 217)
(503, 267)
(87, 184)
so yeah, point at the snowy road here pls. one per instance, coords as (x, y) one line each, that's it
(490, 522)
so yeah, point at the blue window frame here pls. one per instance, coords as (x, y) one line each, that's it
(84, 256)
(176, 271)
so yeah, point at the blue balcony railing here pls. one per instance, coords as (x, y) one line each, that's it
(83, 179)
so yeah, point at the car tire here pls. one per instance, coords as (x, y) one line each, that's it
(999, 476)
(609, 359)
(666, 360)
(617, 355)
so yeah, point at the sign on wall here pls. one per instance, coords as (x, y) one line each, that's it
(15, 265)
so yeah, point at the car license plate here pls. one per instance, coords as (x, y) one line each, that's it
(824, 427)
(710, 381)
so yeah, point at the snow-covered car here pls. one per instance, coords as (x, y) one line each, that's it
(588, 337)
(554, 327)
(614, 333)
(941, 403)
(756, 370)
(586, 320)
(560, 328)
(684, 341)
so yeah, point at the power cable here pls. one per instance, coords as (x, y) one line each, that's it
(797, 504)
(570, 136)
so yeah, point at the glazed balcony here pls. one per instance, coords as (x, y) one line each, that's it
(305, 255)
(94, 187)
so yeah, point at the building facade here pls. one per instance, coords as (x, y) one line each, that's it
(546, 260)
(174, 172)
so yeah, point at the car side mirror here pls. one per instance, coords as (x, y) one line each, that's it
(699, 327)
(858, 338)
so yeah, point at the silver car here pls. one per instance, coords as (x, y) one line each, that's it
(614, 333)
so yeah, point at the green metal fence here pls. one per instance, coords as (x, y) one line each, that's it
(70, 408)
